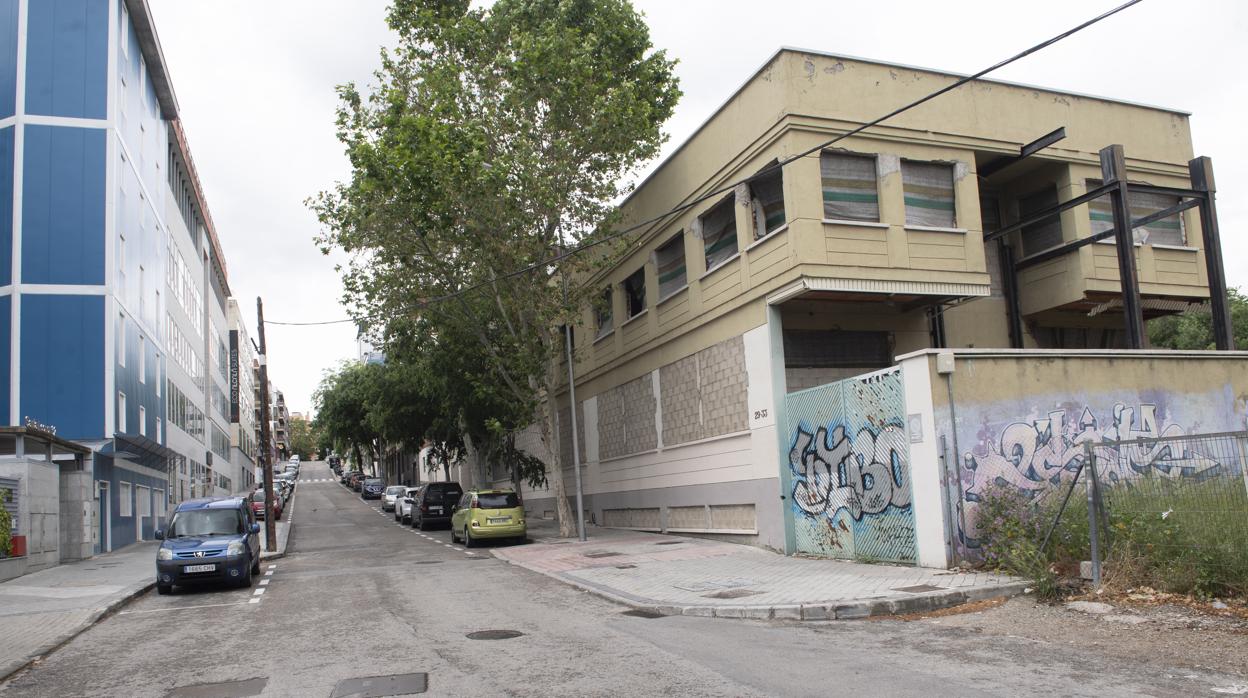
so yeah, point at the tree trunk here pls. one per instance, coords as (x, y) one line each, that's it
(468, 475)
(550, 431)
(515, 472)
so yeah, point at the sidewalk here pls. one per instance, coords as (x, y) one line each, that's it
(42, 610)
(673, 575)
(283, 531)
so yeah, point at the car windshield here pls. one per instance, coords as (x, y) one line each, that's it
(372, 481)
(437, 494)
(396, 490)
(206, 522)
(498, 500)
(257, 496)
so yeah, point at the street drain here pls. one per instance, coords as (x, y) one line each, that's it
(670, 542)
(602, 554)
(227, 689)
(919, 588)
(626, 567)
(429, 562)
(381, 686)
(493, 634)
(642, 613)
(731, 594)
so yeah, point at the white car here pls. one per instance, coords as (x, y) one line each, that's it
(403, 505)
(391, 496)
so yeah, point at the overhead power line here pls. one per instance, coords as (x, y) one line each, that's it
(758, 175)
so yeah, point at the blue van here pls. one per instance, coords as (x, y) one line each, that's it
(215, 539)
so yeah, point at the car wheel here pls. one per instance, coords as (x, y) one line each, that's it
(245, 582)
(454, 538)
(255, 566)
(164, 589)
(468, 542)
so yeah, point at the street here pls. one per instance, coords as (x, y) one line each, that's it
(359, 596)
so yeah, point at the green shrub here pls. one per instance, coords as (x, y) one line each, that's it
(6, 525)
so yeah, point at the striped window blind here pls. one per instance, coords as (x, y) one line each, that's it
(1167, 231)
(669, 260)
(767, 195)
(719, 234)
(850, 187)
(928, 191)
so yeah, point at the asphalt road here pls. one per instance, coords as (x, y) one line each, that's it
(360, 596)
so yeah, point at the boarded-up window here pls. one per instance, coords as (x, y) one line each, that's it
(669, 261)
(635, 292)
(850, 187)
(602, 314)
(1043, 234)
(719, 234)
(928, 190)
(767, 203)
(1167, 231)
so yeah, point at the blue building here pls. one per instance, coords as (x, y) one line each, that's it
(112, 283)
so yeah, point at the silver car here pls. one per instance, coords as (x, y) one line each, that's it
(391, 495)
(403, 505)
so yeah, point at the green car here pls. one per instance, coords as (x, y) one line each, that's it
(484, 514)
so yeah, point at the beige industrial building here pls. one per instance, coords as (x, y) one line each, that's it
(840, 263)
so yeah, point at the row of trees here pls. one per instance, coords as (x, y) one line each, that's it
(495, 140)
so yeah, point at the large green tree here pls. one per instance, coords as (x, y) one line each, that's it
(343, 401)
(1194, 329)
(496, 138)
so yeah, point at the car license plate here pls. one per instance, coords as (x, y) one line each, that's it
(199, 568)
(435, 510)
(500, 520)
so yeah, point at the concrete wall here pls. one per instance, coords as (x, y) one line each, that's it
(1020, 418)
(38, 509)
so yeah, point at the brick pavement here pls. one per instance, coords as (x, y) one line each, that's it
(693, 576)
(41, 610)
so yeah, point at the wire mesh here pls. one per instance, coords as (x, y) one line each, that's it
(1172, 512)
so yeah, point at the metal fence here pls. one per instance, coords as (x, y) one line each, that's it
(1174, 507)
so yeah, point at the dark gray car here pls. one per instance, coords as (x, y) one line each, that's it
(432, 507)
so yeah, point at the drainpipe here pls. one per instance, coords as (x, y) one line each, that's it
(945, 365)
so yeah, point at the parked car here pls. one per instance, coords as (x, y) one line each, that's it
(295, 459)
(290, 478)
(257, 504)
(403, 505)
(208, 540)
(433, 506)
(391, 496)
(292, 467)
(283, 488)
(356, 481)
(488, 514)
(372, 487)
(335, 463)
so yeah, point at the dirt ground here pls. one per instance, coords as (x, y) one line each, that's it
(1184, 634)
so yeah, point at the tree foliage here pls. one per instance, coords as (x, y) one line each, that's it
(495, 138)
(305, 439)
(1194, 329)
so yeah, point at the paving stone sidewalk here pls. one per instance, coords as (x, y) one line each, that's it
(674, 575)
(42, 610)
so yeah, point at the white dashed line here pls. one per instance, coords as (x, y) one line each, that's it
(265, 582)
(254, 601)
(269, 573)
(272, 567)
(259, 592)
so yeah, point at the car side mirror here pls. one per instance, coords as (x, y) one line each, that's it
(159, 534)
(255, 528)
(454, 508)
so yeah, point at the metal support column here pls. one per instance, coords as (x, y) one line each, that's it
(1114, 171)
(1009, 285)
(1201, 170)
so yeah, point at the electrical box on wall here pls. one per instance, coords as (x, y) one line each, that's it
(944, 363)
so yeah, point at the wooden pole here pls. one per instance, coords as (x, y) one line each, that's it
(266, 466)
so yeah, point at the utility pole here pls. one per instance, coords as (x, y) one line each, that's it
(270, 526)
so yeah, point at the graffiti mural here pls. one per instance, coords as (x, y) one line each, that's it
(1039, 456)
(847, 470)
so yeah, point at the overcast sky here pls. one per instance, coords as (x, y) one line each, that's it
(255, 83)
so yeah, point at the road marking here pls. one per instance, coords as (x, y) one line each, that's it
(269, 573)
(180, 608)
(259, 592)
(254, 601)
(272, 567)
(265, 582)
(448, 545)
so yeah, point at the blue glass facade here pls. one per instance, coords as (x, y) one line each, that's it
(63, 205)
(62, 363)
(67, 58)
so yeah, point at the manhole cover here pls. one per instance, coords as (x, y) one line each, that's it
(380, 686)
(642, 613)
(731, 594)
(228, 689)
(919, 588)
(626, 567)
(670, 542)
(602, 554)
(493, 634)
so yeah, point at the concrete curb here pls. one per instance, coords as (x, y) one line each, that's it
(266, 556)
(848, 609)
(124, 597)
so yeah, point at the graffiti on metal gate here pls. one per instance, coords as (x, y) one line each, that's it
(848, 469)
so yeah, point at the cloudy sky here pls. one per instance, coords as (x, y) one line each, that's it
(255, 82)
